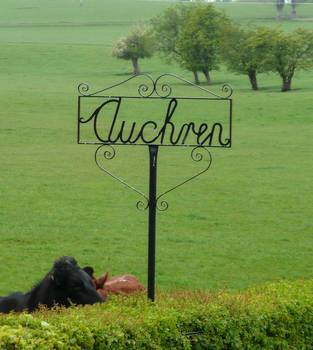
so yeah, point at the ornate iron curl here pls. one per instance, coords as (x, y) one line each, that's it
(83, 88)
(108, 153)
(196, 156)
(166, 88)
(162, 90)
(227, 89)
(141, 205)
(162, 205)
(143, 89)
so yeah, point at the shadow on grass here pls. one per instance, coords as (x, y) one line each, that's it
(123, 74)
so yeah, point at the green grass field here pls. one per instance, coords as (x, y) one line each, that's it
(248, 220)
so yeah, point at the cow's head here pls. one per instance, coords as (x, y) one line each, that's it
(74, 283)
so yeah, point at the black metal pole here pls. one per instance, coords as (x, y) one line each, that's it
(153, 153)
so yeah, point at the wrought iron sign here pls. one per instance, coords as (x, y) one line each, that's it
(108, 120)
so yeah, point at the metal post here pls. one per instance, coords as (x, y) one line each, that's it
(153, 153)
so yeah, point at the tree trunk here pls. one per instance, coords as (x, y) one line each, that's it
(286, 85)
(207, 75)
(287, 78)
(253, 79)
(293, 9)
(135, 66)
(196, 77)
(280, 6)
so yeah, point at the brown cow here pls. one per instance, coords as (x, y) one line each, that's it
(118, 285)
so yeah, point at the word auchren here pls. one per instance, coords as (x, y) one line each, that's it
(152, 133)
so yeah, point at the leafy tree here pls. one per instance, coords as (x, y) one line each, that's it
(138, 44)
(167, 28)
(191, 34)
(200, 39)
(248, 51)
(291, 52)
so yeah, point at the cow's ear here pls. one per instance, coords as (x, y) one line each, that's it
(101, 281)
(89, 270)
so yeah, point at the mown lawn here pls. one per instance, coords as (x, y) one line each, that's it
(249, 219)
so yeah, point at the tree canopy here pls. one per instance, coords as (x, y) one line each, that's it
(191, 35)
(200, 39)
(137, 44)
(167, 28)
(290, 52)
(247, 51)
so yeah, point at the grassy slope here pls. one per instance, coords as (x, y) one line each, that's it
(248, 220)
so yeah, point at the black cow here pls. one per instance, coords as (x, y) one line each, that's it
(66, 284)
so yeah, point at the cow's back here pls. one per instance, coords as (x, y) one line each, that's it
(14, 302)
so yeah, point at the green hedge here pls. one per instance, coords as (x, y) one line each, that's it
(274, 316)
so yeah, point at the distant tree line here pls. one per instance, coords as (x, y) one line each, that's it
(200, 38)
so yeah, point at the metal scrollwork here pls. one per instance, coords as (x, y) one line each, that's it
(83, 88)
(146, 90)
(166, 91)
(107, 152)
(162, 205)
(227, 90)
(197, 155)
(156, 87)
(143, 90)
(162, 90)
(142, 205)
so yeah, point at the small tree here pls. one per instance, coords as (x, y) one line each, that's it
(200, 39)
(191, 35)
(138, 44)
(248, 51)
(291, 52)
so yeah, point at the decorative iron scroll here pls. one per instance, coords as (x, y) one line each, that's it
(113, 131)
(161, 90)
(118, 129)
(196, 156)
(108, 152)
